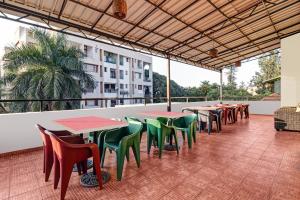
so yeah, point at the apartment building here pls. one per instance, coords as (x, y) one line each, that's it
(118, 72)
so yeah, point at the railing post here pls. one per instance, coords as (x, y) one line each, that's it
(187, 99)
(41, 106)
(145, 101)
(205, 98)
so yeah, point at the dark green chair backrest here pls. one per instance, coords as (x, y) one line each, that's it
(153, 126)
(134, 126)
(163, 120)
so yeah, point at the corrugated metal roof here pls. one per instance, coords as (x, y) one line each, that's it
(185, 30)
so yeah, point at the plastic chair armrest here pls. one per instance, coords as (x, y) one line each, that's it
(73, 139)
(60, 132)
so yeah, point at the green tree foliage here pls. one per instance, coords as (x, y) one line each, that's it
(269, 68)
(160, 87)
(206, 89)
(47, 69)
(231, 77)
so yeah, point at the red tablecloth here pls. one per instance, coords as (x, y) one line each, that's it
(89, 123)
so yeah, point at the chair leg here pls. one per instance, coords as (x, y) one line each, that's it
(66, 171)
(44, 161)
(79, 168)
(48, 164)
(84, 166)
(149, 142)
(161, 140)
(176, 141)
(183, 135)
(103, 156)
(189, 137)
(194, 133)
(56, 172)
(136, 152)
(127, 154)
(120, 164)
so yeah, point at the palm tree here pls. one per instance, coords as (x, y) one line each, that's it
(50, 68)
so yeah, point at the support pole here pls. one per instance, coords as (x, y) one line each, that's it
(221, 86)
(169, 86)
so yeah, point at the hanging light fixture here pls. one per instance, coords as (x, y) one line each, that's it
(213, 53)
(120, 8)
(237, 63)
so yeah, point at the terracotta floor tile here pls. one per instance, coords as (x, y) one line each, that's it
(249, 160)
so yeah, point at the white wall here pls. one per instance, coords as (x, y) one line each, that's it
(290, 70)
(17, 131)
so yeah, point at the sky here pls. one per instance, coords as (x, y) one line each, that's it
(185, 75)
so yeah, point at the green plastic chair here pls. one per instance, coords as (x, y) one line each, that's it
(187, 125)
(159, 131)
(120, 140)
(144, 128)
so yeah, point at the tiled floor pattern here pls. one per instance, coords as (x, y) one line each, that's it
(247, 161)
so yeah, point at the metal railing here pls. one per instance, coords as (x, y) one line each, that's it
(76, 103)
(6, 105)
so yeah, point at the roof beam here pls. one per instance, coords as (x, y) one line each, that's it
(62, 8)
(166, 21)
(240, 46)
(230, 20)
(41, 16)
(195, 38)
(101, 15)
(187, 25)
(131, 23)
(270, 18)
(248, 23)
(144, 18)
(181, 29)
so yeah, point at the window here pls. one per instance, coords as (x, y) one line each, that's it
(127, 59)
(121, 86)
(87, 51)
(109, 88)
(121, 61)
(105, 69)
(139, 64)
(126, 72)
(110, 57)
(112, 73)
(121, 74)
(140, 87)
(126, 86)
(90, 67)
(140, 75)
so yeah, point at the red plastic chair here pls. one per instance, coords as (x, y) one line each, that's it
(48, 150)
(66, 155)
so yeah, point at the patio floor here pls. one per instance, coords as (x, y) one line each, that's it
(248, 160)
